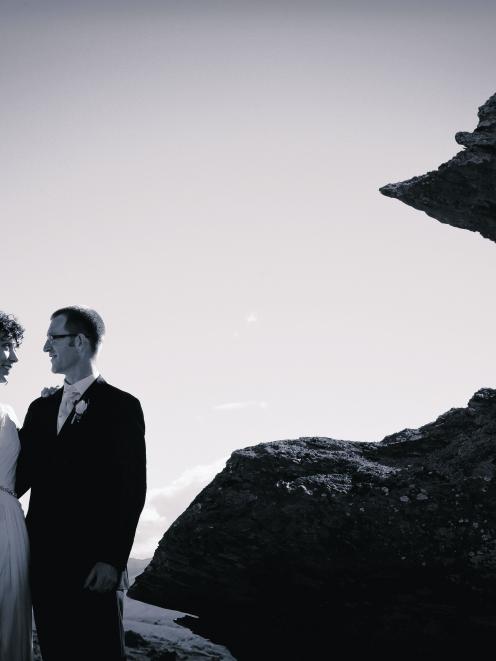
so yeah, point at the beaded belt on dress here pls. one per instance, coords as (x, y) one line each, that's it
(9, 491)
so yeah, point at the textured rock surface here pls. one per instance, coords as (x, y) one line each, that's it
(316, 541)
(462, 192)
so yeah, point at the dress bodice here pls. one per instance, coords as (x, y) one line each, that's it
(9, 446)
(15, 600)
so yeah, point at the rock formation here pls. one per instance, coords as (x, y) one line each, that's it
(462, 192)
(301, 548)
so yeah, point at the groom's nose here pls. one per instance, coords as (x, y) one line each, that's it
(13, 356)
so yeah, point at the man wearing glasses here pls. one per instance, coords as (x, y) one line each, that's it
(83, 456)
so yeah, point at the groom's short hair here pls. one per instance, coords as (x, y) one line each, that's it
(79, 319)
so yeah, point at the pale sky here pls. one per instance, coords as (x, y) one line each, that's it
(206, 174)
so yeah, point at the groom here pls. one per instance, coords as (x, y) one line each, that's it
(83, 455)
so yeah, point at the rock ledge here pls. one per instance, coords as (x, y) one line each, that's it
(462, 192)
(367, 544)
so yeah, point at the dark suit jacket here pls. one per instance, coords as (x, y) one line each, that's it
(88, 483)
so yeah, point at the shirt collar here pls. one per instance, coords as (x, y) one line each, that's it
(80, 386)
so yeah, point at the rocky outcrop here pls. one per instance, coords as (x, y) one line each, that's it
(462, 192)
(301, 546)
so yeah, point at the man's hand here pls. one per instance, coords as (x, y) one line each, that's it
(49, 391)
(102, 578)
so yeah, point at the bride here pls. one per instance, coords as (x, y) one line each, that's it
(15, 601)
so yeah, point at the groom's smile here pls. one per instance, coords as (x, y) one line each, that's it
(60, 346)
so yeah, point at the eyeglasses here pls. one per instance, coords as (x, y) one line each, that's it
(51, 338)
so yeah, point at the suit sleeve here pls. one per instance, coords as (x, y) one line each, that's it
(130, 483)
(25, 460)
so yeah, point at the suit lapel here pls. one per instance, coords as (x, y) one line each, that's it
(90, 395)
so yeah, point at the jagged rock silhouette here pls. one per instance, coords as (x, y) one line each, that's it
(315, 547)
(462, 192)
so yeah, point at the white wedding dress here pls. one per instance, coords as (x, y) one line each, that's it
(15, 600)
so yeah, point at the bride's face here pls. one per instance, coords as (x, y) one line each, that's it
(8, 357)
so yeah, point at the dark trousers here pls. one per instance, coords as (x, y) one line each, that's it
(78, 624)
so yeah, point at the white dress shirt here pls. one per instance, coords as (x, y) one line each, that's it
(72, 393)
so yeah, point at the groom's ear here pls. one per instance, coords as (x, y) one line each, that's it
(80, 340)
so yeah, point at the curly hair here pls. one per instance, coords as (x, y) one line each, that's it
(11, 328)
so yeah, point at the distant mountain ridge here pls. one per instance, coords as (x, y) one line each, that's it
(136, 566)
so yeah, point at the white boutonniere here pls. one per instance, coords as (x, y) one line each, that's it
(79, 410)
